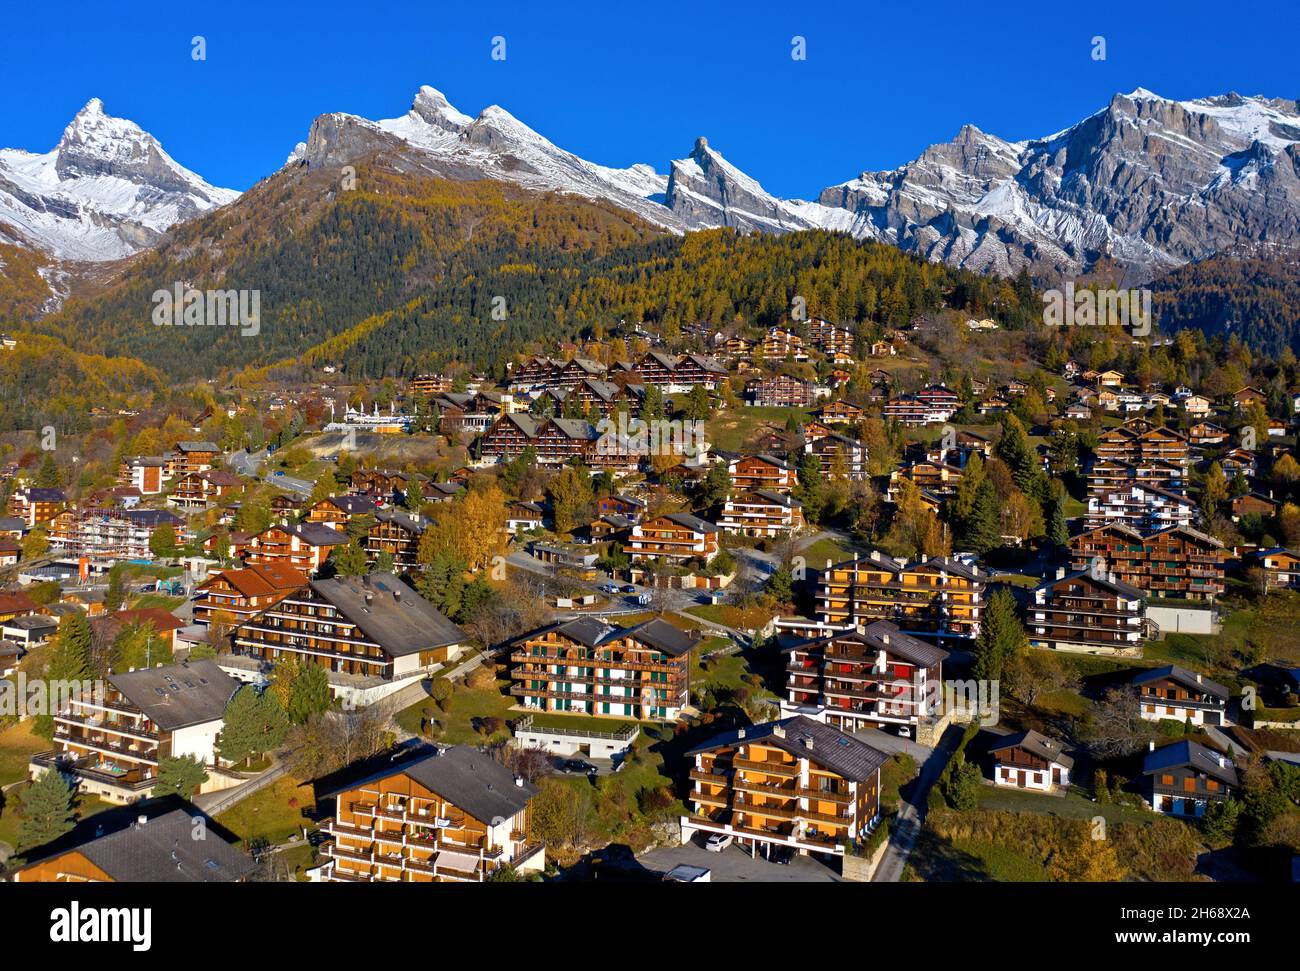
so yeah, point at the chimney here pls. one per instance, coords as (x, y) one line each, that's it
(740, 733)
(778, 731)
(1198, 677)
(519, 781)
(808, 742)
(397, 595)
(1060, 572)
(1151, 746)
(370, 598)
(141, 820)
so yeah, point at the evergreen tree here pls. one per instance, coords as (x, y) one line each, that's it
(811, 490)
(309, 694)
(69, 662)
(180, 776)
(981, 530)
(349, 560)
(254, 724)
(47, 810)
(1001, 639)
(49, 476)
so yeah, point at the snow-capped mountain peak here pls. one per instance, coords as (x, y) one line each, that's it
(105, 191)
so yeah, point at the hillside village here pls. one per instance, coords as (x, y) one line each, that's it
(915, 600)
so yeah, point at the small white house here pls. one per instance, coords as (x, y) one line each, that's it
(1028, 760)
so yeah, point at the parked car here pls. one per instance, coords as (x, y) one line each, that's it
(609, 588)
(628, 588)
(719, 842)
(641, 599)
(577, 767)
(783, 855)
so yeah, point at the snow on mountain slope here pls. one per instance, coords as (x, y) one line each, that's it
(107, 190)
(1147, 182)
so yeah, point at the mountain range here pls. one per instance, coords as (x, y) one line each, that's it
(1146, 184)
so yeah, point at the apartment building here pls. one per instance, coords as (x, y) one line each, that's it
(187, 457)
(1139, 441)
(673, 538)
(793, 783)
(198, 490)
(1087, 612)
(589, 667)
(232, 596)
(873, 676)
(397, 534)
(938, 598)
(1176, 563)
(1177, 694)
(453, 816)
(780, 391)
(750, 472)
(143, 472)
(109, 534)
(34, 505)
(780, 344)
(111, 743)
(337, 511)
(303, 546)
(839, 456)
(1141, 507)
(1107, 476)
(761, 513)
(368, 630)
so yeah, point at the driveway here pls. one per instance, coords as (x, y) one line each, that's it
(911, 811)
(734, 865)
(892, 744)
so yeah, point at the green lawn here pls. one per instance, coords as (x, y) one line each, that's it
(11, 821)
(157, 600)
(816, 554)
(580, 722)
(465, 705)
(1070, 806)
(17, 746)
(273, 813)
(733, 429)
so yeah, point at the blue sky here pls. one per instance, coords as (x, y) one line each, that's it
(619, 83)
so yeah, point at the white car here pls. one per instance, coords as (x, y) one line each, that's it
(718, 842)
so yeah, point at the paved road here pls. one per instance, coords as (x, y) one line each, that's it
(911, 812)
(734, 865)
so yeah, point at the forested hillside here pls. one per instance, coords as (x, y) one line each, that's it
(1255, 298)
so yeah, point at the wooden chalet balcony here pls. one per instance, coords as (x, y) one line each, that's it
(844, 798)
(144, 756)
(837, 819)
(337, 852)
(710, 798)
(741, 783)
(788, 770)
(700, 775)
(94, 723)
(750, 808)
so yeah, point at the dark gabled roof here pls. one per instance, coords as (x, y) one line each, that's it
(39, 494)
(396, 617)
(178, 695)
(197, 447)
(882, 635)
(163, 850)
(691, 522)
(1192, 755)
(315, 534)
(661, 635)
(778, 498)
(1035, 744)
(804, 738)
(593, 632)
(1189, 679)
(401, 519)
(1115, 586)
(474, 782)
(351, 504)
